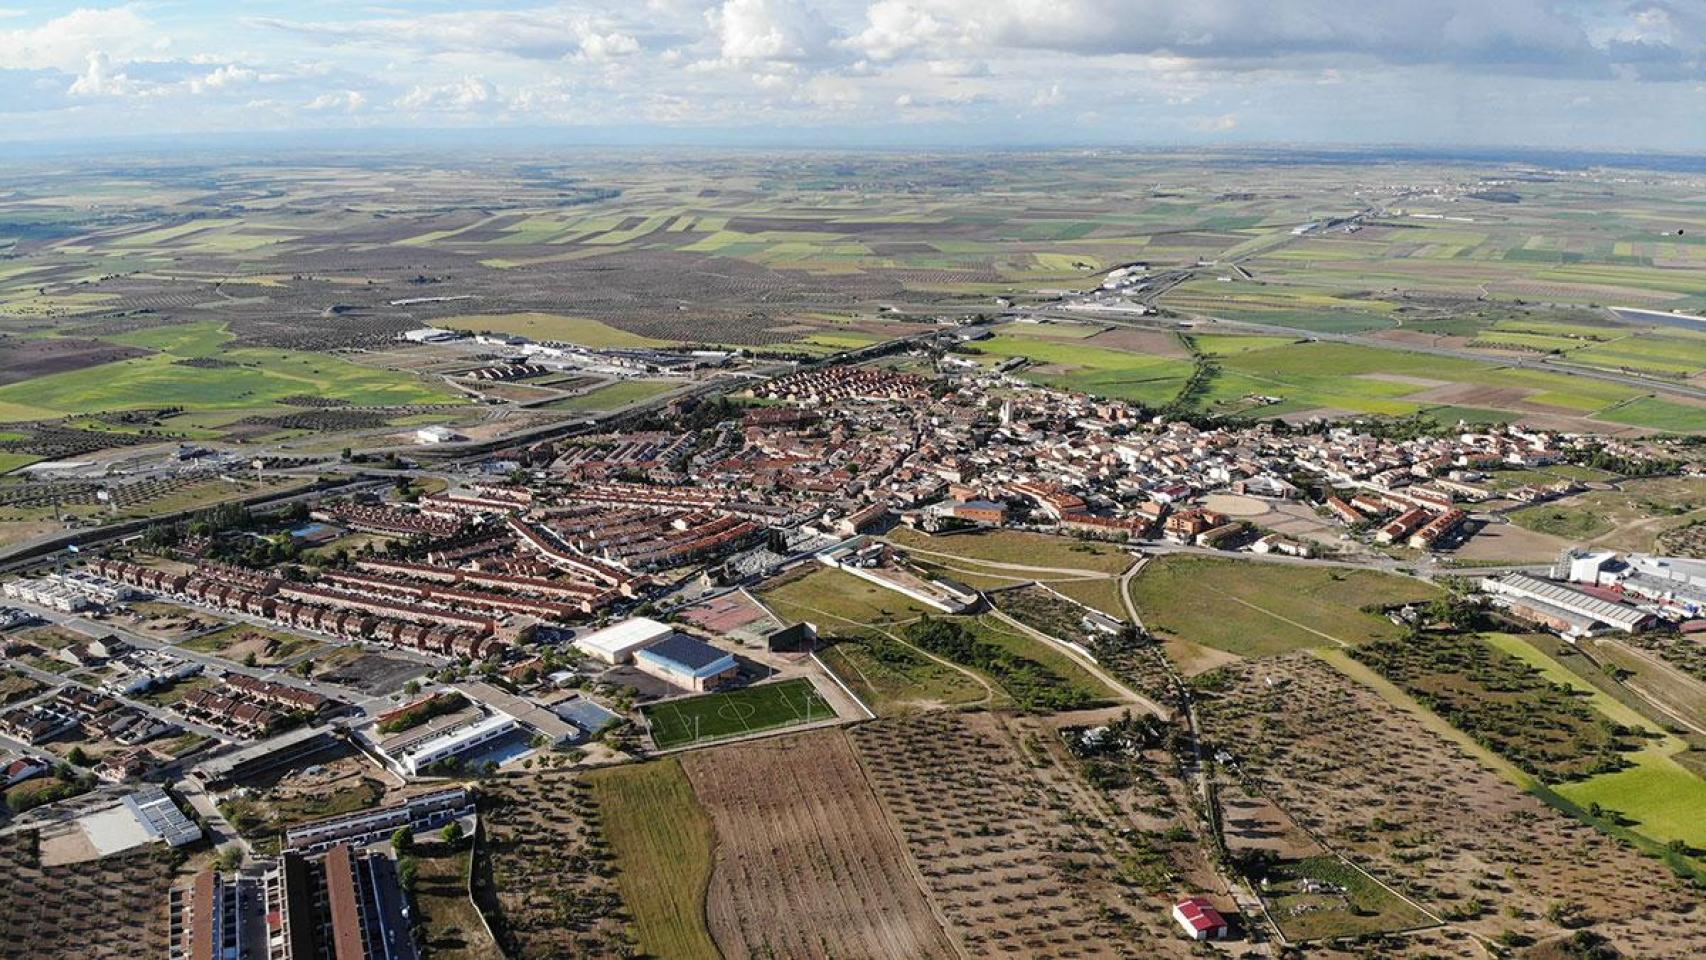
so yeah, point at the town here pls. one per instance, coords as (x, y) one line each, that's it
(587, 601)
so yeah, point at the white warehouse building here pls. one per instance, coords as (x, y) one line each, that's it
(617, 644)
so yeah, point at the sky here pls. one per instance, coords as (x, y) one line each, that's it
(1477, 73)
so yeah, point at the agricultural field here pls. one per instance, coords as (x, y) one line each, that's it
(1343, 754)
(807, 863)
(1014, 862)
(107, 909)
(1272, 376)
(1254, 609)
(1653, 794)
(544, 877)
(662, 840)
(717, 716)
(1505, 703)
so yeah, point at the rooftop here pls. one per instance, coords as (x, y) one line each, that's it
(623, 636)
(682, 651)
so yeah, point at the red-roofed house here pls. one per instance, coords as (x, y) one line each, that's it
(1200, 919)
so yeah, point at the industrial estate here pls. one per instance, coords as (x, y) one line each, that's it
(598, 559)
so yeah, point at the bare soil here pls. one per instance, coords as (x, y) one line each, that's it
(22, 359)
(808, 864)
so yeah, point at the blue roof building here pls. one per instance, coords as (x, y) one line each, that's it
(686, 662)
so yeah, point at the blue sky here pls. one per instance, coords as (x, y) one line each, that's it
(1629, 75)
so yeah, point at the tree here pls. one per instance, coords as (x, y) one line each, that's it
(407, 869)
(403, 841)
(77, 757)
(452, 833)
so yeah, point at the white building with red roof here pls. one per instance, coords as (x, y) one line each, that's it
(1200, 919)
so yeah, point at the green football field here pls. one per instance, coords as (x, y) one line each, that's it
(715, 716)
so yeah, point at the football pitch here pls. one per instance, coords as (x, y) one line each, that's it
(716, 716)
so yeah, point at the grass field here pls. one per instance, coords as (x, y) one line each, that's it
(616, 395)
(257, 379)
(893, 679)
(1361, 907)
(1658, 797)
(836, 601)
(1034, 551)
(1354, 378)
(1629, 518)
(663, 843)
(1257, 609)
(1149, 380)
(717, 716)
(450, 925)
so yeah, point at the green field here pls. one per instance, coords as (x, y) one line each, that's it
(1656, 796)
(1153, 381)
(717, 716)
(836, 601)
(663, 843)
(616, 395)
(257, 378)
(893, 679)
(1256, 609)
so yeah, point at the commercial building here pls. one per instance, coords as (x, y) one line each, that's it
(1562, 607)
(617, 644)
(681, 660)
(161, 817)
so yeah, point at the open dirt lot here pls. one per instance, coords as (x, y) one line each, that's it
(1391, 788)
(808, 864)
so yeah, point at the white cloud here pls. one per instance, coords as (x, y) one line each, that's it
(607, 46)
(539, 33)
(99, 79)
(65, 43)
(897, 27)
(347, 101)
(226, 76)
(768, 30)
(1050, 97)
(462, 96)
